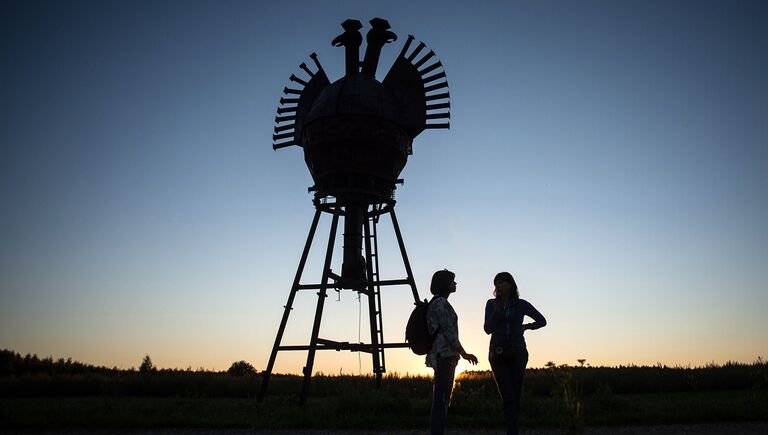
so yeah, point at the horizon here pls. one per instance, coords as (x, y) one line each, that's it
(612, 157)
(55, 360)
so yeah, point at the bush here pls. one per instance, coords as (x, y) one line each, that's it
(241, 368)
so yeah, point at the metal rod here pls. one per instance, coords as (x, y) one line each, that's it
(293, 78)
(307, 70)
(284, 128)
(281, 110)
(424, 59)
(317, 62)
(436, 86)
(279, 119)
(340, 346)
(321, 295)
(430, 68)
(433, 126)
(439, 106)
(407, 264)
(386, 282)
(289, 305)
(406, 45)
(282, 136)
(432, 78)
(437, 96)
(372, 301)
(374, 221)
(438, 115)
(416, 51)
(277, 146)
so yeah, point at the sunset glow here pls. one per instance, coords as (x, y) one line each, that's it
(611, 156)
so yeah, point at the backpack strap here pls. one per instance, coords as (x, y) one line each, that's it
(437, 331)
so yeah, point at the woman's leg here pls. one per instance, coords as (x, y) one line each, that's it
(520, 361)
(441, 393)
(503, 374)
(508, 372)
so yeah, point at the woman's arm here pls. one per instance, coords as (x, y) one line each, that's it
(538, 319)
(489, 315)
(467, 356)
(450, 329)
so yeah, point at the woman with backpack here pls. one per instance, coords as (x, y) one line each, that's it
(446, 348)
(508, 355)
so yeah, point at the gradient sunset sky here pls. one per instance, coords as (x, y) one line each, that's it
(613, 156)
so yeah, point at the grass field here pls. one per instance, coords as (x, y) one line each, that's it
(554, 397)
(373, 411)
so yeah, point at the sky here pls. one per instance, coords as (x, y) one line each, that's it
(613, 156)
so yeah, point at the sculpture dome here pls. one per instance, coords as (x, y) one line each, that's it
(352, 142)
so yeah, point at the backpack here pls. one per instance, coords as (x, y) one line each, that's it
(416, 332)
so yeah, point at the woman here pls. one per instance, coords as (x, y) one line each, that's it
(508, 354)
(446, 349)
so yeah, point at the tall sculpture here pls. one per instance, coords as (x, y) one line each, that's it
(357, 134)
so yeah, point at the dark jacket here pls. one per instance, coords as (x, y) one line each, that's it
(506, 324)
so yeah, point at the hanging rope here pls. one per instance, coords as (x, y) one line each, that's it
(359, 322)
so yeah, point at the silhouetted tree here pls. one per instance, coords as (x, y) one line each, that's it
(241, 368)
(147, 366)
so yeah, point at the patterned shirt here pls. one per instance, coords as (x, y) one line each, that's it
(442, 318)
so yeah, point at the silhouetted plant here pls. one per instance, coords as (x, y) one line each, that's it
(760, 374)
(241, 368)
(569, 387)
(147, 366)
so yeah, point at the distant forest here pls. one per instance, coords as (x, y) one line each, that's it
(15, 364)
(29, 375)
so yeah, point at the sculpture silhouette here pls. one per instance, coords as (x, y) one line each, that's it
(357, 134)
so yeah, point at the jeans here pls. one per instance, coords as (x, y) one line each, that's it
(508, 370)
(441, 393)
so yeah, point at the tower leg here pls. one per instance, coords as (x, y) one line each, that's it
(372, 303)
(321, 295)
(289, 305)
(407, 264)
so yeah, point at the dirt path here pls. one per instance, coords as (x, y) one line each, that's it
(756, 428)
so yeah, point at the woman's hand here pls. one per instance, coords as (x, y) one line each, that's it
(469, 357)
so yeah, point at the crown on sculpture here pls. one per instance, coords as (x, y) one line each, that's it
(357, 132)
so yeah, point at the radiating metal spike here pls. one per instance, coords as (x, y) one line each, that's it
(436, 96)
(288, 100)
(432, 78)
(298, 80)
(317, 62)
(406, 46)
(280, 128)
(279, 119)
(432, 67)
(439, 115)
(282, 136)
(446, 125)
(439, 106)
(416, 51)
(440, 85)
(424, 59)
(277, 146)
(304, 67)
(288, 90)
(281, 110)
